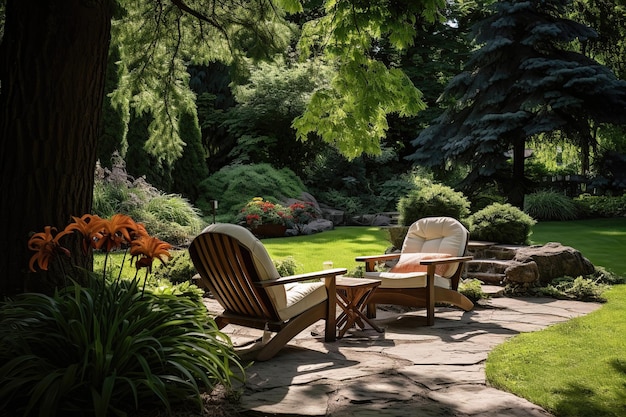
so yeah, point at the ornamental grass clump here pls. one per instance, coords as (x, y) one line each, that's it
(107, 346)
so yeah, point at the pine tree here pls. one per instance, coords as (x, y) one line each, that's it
(526, 79)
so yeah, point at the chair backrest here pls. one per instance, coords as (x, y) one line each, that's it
(230, 259)
(437, 235)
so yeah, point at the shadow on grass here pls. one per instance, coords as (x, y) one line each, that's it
(581, 401)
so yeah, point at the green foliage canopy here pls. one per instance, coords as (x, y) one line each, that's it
(157, 43)
(351, 111)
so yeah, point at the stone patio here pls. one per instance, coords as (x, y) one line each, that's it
(408, 370)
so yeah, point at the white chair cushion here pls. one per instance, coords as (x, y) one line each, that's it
(301, 297)
(406, 279)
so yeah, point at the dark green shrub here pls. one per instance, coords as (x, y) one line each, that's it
(602, 206)
(233, 186)
(178, 269)
(550, 205)
(396, 235)
(432, 200)
(106, 350)
(338, 200)
(501, 223)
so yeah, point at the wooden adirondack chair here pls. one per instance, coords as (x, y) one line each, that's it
(428, 269)
(235, 266)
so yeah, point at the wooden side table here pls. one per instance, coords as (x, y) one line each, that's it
(352, 297)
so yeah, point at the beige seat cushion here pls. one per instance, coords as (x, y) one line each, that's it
(412, 262)
(406, 280)
(289, 300)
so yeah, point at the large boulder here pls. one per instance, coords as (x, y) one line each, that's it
(521, 272)
(554, 260)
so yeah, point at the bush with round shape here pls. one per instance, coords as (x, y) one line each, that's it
(235, 185)
(432, 199)
(501, 223)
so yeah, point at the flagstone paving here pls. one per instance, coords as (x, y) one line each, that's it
(409, 370)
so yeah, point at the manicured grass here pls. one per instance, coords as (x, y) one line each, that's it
(340, 245)
(577, 368)
(602, 241)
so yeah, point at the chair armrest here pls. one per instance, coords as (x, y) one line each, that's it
(449, 260)
(326, 273)
(372, 260)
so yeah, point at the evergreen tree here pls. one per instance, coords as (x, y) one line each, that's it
(523, 81)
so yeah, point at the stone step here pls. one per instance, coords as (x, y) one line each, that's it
(493, 290)
(504, 252)
(486, 277)
(495, 266)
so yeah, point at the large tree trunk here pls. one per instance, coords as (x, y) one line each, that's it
(517, 191)
(52, 70)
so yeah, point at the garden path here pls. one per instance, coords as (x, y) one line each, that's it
(410, 369)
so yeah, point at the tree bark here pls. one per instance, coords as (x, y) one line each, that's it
(53, 60)
(517, 190)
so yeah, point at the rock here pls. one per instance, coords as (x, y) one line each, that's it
(381, 220)
(554, 260)
(317, 226)
(335, 216)
(521, 272)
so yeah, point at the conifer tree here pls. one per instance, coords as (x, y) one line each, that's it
(525, 79)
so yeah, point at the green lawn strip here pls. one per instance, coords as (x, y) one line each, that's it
(340, 245)
(576, 368)
(602, 241)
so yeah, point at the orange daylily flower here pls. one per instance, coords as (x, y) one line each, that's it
(146, 249)
(139, 232)
(47, 246)
(86, 226)
(113, 233)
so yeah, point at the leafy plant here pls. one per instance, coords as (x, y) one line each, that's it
(169, 217)
(432, 199)
(286, 266)
(258, 212)
(109, 345)
(550, 205)
(602, 206)
(302, 213)
(178, 269)
(107, 349)
(472, 289)
(233, 185)
(501, 223)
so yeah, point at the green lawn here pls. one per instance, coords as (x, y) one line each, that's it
(340, 245)
(577, 368)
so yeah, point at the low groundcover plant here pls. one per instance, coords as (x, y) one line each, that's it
(107, 346)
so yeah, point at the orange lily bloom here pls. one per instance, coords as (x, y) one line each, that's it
(113, 233)
(139, 232)
(85, 226)
(47, 246)
(146, 248)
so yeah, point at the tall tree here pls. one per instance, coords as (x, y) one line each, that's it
(521, 82)
(53, 58)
